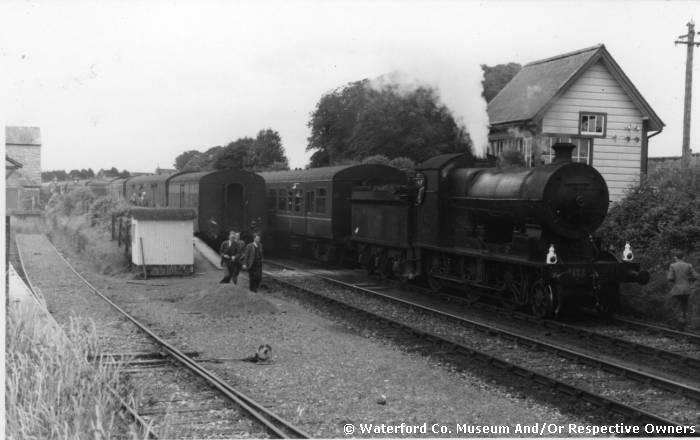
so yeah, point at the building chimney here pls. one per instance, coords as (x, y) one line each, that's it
(562, 152)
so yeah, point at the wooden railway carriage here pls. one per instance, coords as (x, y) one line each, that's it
(155, 186)
(99, 187)
(116, 188)
(223, 201)
(310, 209)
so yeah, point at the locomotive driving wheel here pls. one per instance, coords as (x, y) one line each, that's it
(544, 301)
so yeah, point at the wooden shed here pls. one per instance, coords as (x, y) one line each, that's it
(582, 97)
(161, 241)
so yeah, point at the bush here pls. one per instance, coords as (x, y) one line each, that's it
(658, 215)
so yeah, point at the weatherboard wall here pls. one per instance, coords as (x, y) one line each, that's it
(165, 242)
(618, 155)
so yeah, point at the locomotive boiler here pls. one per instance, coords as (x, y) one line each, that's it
(524, 236)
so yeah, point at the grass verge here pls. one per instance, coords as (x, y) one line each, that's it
(52, 391)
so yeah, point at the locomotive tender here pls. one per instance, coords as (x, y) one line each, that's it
(522, 235)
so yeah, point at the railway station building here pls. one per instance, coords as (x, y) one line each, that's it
(582, 97)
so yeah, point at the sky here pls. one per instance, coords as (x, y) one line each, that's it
(132, 84)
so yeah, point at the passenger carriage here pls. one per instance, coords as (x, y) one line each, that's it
(309, 210)
(223, 200)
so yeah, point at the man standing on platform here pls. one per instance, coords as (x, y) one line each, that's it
(230, 252)
(252, 262)
(237, 257)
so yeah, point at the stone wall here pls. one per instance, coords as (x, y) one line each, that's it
(30, 158)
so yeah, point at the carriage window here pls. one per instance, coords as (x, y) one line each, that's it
(297, 200)
(282, 200)
(271, 199)
(290, 200)
(321, 200)
(592, 124)
(309, 201)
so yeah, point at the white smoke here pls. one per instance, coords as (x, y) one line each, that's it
(458, 83)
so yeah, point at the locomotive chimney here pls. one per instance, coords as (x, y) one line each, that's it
(562, 152)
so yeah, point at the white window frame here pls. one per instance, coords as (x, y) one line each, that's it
(596, 117)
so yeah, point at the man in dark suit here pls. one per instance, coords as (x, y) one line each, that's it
(252, 262)
(231, 251)
(683, 276)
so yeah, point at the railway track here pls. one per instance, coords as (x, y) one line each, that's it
(180, 398)
(656, 350)
(629, 392)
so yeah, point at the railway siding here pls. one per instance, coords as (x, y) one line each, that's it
(192, 417)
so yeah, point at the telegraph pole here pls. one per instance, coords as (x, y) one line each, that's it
(689, 40)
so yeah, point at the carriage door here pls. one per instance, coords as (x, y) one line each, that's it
(233, 207)
(182, 196)
(309, 208)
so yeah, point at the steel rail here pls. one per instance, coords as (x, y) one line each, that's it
(641, 376)
(611, 405)
(654, 328)
(582, 332)
(274, 424)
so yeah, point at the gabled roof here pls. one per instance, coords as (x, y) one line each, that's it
(22, 136)
(535, 88)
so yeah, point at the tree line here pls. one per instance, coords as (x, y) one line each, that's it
(360, 122)
(61, 175)
(262, 153)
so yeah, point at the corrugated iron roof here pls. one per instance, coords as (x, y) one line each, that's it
(22, 136)
(162, 213)
(533, 90)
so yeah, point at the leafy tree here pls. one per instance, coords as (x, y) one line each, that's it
(496, 77)
(333, 122)
(183, 159)
(268, 150)
(124, 174)
(236, 155)
(265, 152)
(48, 176)
(204, 161)
(358, 121)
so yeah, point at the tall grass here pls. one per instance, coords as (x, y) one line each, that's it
(52, 391)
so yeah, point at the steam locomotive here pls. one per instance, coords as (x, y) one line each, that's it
(521, 235)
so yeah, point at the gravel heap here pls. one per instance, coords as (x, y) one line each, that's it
(229, 300)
